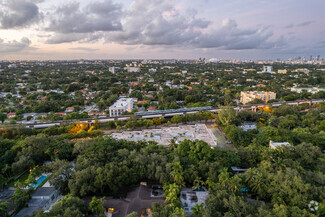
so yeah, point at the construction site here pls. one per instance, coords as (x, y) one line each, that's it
(164, 135)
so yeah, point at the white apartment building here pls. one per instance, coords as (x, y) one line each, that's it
(113, 69)
(120, 106)
(267, 69)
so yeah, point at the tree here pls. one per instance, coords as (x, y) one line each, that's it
(3, 208)
(172, 144)
(61, 172)
(322, 125)
(133, 214)
(20, 197)
(35, 172)
(96, 206)
(177, 174)
(226, 116)
(3, 117)
(172, 192)
(111, 125)
(66, 207)
(238, 136)
(176, 119)
(198, 210)
(167, 211)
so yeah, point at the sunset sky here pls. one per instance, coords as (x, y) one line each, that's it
(154, 29)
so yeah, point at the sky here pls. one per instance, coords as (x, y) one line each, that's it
(161, 29)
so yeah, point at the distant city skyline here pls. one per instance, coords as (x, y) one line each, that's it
(161, 29)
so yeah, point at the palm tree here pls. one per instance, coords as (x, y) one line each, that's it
(172, 145)
(171, 193)
(255, 181)
(210, 183)
(197, 209)
(177, 173)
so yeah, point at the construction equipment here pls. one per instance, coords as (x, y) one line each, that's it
(266, 108)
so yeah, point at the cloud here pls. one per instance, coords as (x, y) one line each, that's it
(60, 38)
(307, 23)
(160, 23)
(289, 26)
(151, 23)
(65, 38)
(157, 23)
(14, 46)
(73, 23)
(18, 13)
(83, 49)
(230, 37)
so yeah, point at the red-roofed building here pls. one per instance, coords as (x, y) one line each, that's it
(69, 109)
(11, 115)
(151, 108)
(134, 83)
(261, 85)
(149, 96)
(61, 113)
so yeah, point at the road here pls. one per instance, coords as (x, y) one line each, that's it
(155, 114)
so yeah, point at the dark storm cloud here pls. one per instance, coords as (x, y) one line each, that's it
(18, 13)
(14, 46)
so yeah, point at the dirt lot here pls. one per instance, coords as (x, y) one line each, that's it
(165, 134)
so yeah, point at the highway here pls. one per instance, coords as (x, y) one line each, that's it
(158, 114)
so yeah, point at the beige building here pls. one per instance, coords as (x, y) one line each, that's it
(248, 96)
(282, 71)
